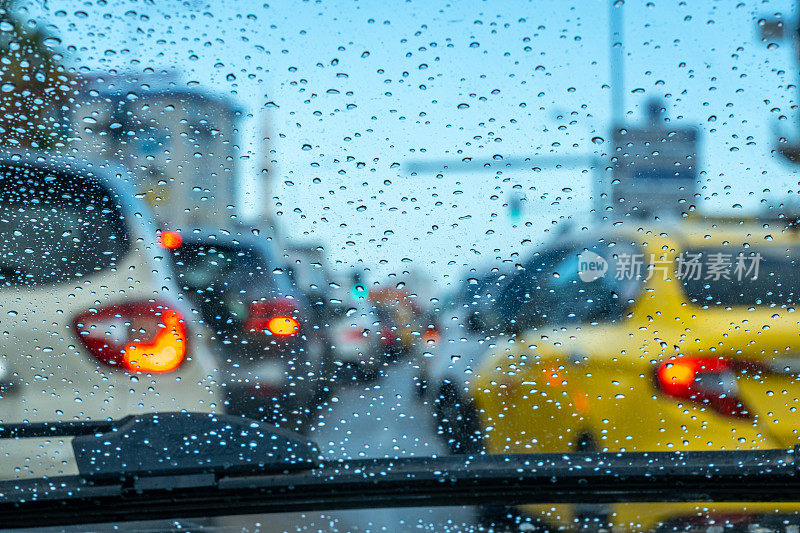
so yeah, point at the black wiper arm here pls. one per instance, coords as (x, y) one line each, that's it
(269, 480)
(174, 444)
(67, 428)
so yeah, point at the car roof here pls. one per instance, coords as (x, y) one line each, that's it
(243, 239)
(233, 238)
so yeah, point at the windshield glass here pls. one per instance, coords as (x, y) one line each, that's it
(421, 229)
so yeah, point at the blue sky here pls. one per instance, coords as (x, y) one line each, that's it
(354, 90)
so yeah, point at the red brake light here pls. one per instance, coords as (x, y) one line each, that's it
(431, 336)
(707, 380)
(139, 337)
(283, 326)
(276, 316)
(169, 239)
(355, 333)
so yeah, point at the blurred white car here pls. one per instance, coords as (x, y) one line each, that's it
(469, 324)
(360, 339)
(91, 326)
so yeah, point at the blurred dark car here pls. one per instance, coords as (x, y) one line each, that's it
(276, 357)
(307, 269)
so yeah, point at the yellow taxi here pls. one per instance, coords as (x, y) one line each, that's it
(634, 338)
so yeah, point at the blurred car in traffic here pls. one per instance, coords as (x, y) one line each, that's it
(94, 325)
(307, 269)
(469, 323)
(360, 340)
(276, 356)
(676, 337)
(399, 310)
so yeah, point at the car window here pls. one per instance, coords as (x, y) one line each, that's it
(525, 285)
(765, 275)
(225, 279)
(573, 285)
(202, 265)
(56, 227)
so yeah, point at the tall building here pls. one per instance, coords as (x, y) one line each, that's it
(179, 143)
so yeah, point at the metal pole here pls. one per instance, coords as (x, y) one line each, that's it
(617, 72)
(617, 81)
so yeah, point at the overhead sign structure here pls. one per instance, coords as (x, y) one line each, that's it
(655, 168)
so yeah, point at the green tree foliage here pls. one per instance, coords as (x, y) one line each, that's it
(33, 82)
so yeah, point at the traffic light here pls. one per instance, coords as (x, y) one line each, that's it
(515, 207)
(359, 289)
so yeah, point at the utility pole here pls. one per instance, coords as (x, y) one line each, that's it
(617, 63)
(645, 183)
(601, 189)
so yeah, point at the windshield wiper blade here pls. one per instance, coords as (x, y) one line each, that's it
(266, 480)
